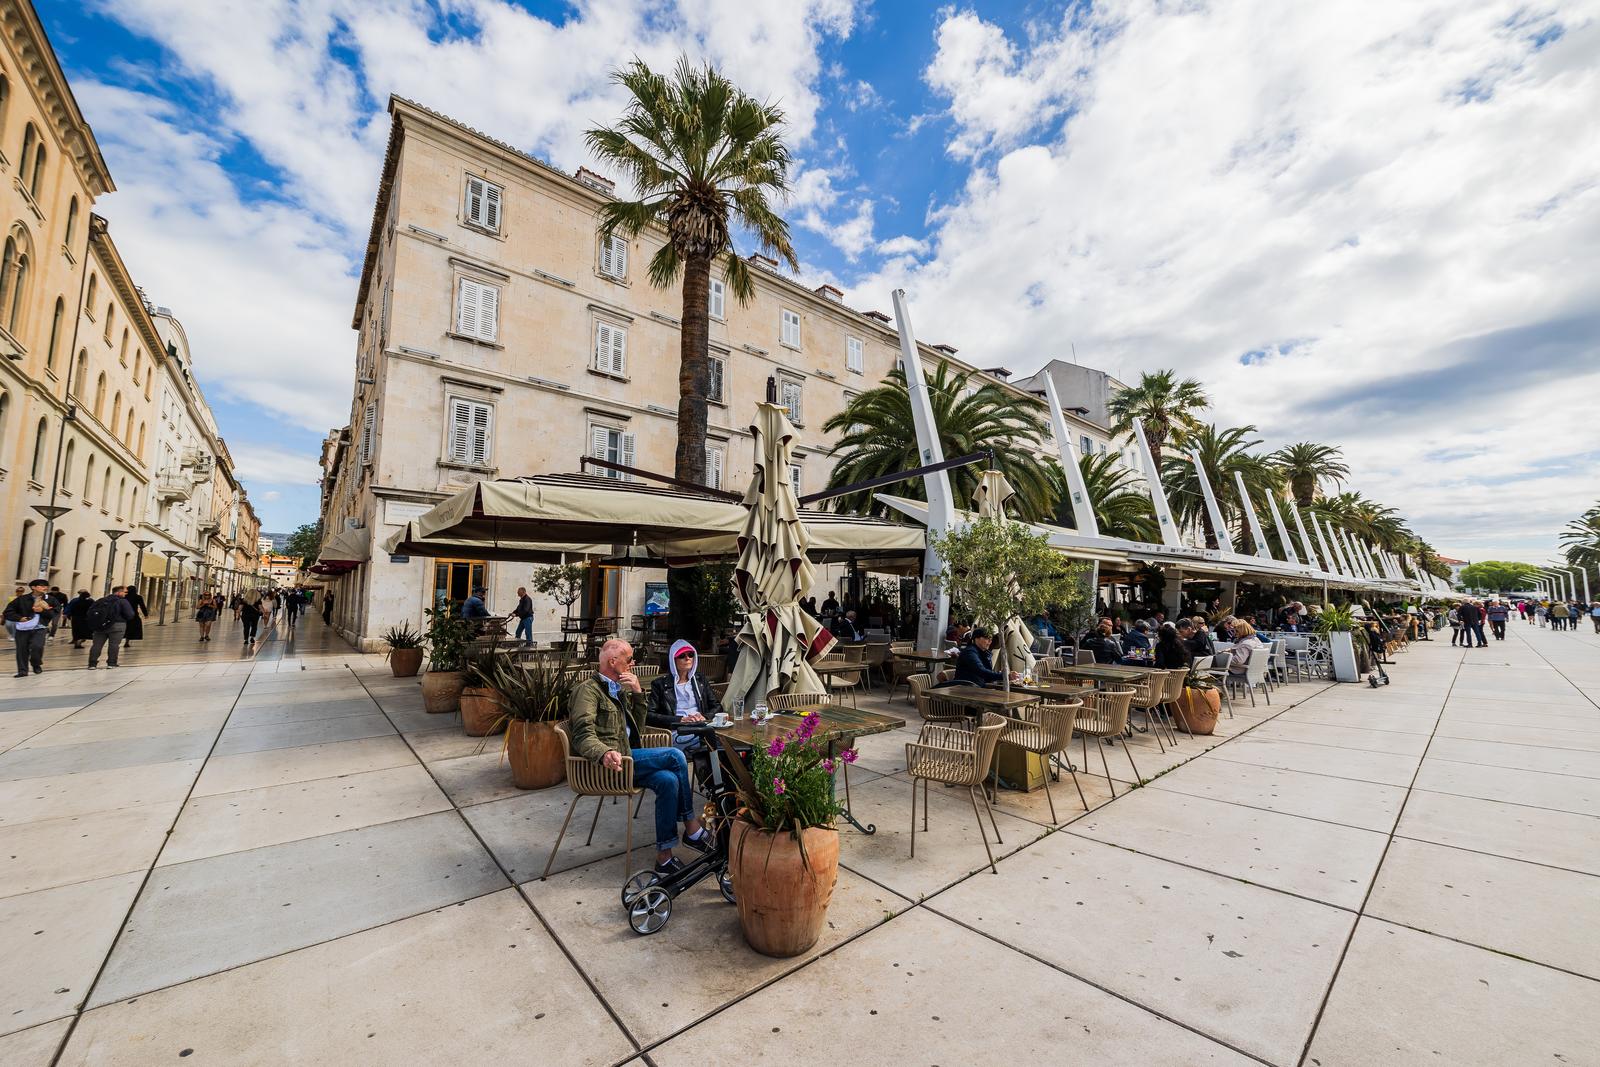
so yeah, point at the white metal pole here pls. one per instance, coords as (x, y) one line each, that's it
(935, 603)
(1082, 506)
(1250, 517)
(1158, 494)
(1224, 541)
(1283, 531)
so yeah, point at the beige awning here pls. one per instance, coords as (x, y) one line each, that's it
(408, 542)
(347, 546)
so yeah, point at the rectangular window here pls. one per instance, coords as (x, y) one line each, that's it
(714, 388)
(794, 477)
(613, 446)
(1085, 445)
(790, 331)
(477, 310)
(852, 354)
(483, 204)
(789, 398)
(614, 256)
(713, 467)
(471, 423)
(610, 349)
(369, 431)
(718, 301)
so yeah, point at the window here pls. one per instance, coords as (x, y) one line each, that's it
(66, 464)
(82, 375)
(13, 280)
(122, 354)
(100, 397)
(717, 368)
(27, 532)
(789, 399)
(614, 256)
(40, 443)
(30, 168)
(55, 334)
(614, 446)
(122, 497)
(718, 301)
(369, 430)
(789, 332)
(483, 204)
(5, 409)
(72, 222)
(116, 412)
(470, 425)
(477, 310)
(138, 365)
(1085, 445)
(5, 98)
(610, 349)
(110, 310)
(794, 477)
(852, 354)
(88, 301)
(714, 466)
(105, 489)
(140, 451)
(36, 180)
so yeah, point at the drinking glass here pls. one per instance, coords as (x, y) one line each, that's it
(738, 710)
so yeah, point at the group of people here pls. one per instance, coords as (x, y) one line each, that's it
(1559, 614)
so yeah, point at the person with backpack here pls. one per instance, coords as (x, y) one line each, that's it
(205, 614)
(29, 616)
(108, 620)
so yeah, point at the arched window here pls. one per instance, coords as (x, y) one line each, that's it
(140, 451)
(138, 365)
(55, 333)
(30, 139)
(5, 100)
(22, 549)
(110, 310)
(116, 413)
(122, 354)
(5, 411)
(122, 497)
(72, 222)
(66, 463)
(88, 480)
(105, 490)
(134, 514)
(94, 287)
(148, 381)
(94, 576)
(77, 565)
(55, 550)
(100, 397)
(37, 181)
(13, 279)
(41, 442)
(80, 377)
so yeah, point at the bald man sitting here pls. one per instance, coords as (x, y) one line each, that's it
(608, 710)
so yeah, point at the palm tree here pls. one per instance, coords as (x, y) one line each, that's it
(1122, 507)
(1167, 408)
(1224, 453)
(877, 436)
(1306, 465)
(704, 158)
(1581, 539)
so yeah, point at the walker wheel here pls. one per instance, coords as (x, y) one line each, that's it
(725, 883)
(636, 885)
(650, 910)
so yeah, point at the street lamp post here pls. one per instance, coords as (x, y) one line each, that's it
(138, 562)
(51, 513)
(111, 560)
(166, 586)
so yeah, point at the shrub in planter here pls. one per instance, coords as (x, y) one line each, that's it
(405, 650)
(448, 637)
(481, 713)
(533, 698)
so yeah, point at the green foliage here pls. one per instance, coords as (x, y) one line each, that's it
(561, 581)
(1502, 576)
(1166, 407)
(703, 602)
(305, 542)
(1335, 618)
(878, 436)
(1306, 465)
(448, 637)
(1224, 452)
(791, 781)
(1122, 507)
(536, 691)
(402, 636)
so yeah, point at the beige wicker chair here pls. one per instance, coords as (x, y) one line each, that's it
(1148, 694)
(918, 684)
(851, 680)
(959, 758)
(942, 710)
(875, 657)
(1176, 676)
(789, 701)
(713, 667)
(590, 779)
(642, 673)
(1105, 715)
(1046, 731)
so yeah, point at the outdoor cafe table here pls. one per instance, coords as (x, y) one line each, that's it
(934, 661)
(984, 699)
(1108, 672)
(1056, 690)
(835, 724)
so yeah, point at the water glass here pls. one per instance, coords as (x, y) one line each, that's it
(738, 710)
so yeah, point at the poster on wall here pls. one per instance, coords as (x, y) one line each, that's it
(656, 600)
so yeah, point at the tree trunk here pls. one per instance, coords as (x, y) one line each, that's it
(694, 370)
(1210, 530)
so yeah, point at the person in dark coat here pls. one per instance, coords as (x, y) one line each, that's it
(141, 611)
(77, 610)
(250, 615)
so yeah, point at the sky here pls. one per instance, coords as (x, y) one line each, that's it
(1369, 224)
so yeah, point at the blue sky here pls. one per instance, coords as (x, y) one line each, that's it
(1368, 223)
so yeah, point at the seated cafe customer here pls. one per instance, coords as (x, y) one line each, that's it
(682, 696)
(608, 710)
(1170, 652)
(1101, 642)
(975, 665)
(1246, 644)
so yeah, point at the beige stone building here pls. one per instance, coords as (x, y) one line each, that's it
(498, 336)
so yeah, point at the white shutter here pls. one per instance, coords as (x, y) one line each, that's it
(488, 312)
(460, 431)
(619, 256)
(605, 257)
(369, 425)
(610, 349)
(467, 307)
(714, 386)
(790, 396)
(853, 354)
(627, 453)
(713, 467)
(481, 414)
(719, 299)
(794, 477)
(483, 204)
(491, 207)
(600, 446)
(477, 310)
(475, 190)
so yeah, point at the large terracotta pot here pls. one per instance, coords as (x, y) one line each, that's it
(782, 899)
(405, 662)
(481, 713)
(1197, 710)
(537, 759)
(441, 691)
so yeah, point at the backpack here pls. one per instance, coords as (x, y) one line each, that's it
(102, 613)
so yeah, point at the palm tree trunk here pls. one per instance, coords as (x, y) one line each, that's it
(1210, 530)
(694, 370)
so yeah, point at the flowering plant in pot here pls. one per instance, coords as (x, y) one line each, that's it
(1197, 708)
(783, 848)
(533, 699)
(448, 637)
(405, 650)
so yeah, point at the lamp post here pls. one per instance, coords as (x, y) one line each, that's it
(51, 513)
(166, 587)
(111, 560)
(138, 563)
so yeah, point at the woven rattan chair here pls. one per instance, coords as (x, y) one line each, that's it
(942, 710)
(1046, 730)
(918, 685)
(1174, 678)
(838, 683)
(642, 673)
(875, 656)
(591, 779)
(1105, 715)
(787, 702)
(1148, 694)
(958, 758)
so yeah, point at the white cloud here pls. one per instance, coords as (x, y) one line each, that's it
(904, 245)
(266, 465)
(1364, 189)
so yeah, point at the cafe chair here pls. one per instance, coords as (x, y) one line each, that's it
(849, 681)
(955, 757)
(788, 702)
(642, 673)
(1046, 731)
(1104, 715)
(590, 779)
(942, 710)
(1149, 693)
(1175, 678)
(918, 686)
(875, 657)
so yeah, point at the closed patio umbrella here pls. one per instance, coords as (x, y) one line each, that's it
(779, 640)
(990, 500)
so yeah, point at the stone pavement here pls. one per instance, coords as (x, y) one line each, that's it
(282, 858)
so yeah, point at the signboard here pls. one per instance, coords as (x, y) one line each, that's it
(656, 599)
(400, 512)
(399, 559)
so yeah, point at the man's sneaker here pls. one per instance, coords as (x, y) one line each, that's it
(702, 843)
(671, 867)
(93, 667)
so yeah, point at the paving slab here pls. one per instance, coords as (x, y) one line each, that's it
(1349, 801)
(79, 848)
(1382, 767)
(1539, 733)
(444, 741)
(1417, 722)
(61, 795)
(280, 766)
(476, 982)
(17, 726)
(1404, 997)
(1561, 792)
(1314, 859)
(271, 714)
(1244, 964)
(476, 779)
(295, 734)
(21, 763)
(53, 942)
(1528, 910)
(1392, 741)
(35, 1047)
(521, 830)
(1539, 835)
(198, 918)
(893, 996)
(271, 815)
(72, 732)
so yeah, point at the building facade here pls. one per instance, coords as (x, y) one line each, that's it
(498, 336)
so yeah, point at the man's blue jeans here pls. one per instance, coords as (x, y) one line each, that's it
(524, 630)
(665, 773)
(1477, 631)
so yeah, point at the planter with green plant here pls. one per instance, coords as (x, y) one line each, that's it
(533, 699)
(405, 650)
(1335, 625)
(481, 700)
(448, 637)
(1199, 704)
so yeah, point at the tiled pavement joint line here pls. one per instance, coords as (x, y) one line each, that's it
(1563, 675)
(120, 686)
(548, 929)
(88, 994)
(1333, 979)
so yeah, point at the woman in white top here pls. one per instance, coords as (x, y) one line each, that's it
(1246, 643)
(681, 695)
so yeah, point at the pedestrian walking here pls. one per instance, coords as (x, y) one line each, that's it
(205, 614)
(291, 606)
(1594, 615)
(77, 612)
(57, 600)
(16, 594)
(1455, 625)
(327, 607)
(141, 611)
(28, 617)
(1558, 615)
(1498, 614)
(524, 614)
(108, 620)
(250, 615)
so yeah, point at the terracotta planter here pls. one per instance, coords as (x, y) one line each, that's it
(441, 691)
(481, 713)
(782, 899)
(1197, 710)
(535, 752)
(405, 662)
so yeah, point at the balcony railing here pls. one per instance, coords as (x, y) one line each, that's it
(173, 487)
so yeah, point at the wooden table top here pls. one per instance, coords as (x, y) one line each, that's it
(978, 696)
(823, 670)
(833, 721)
(1108, 671)
(922, 655)
(1059, 690)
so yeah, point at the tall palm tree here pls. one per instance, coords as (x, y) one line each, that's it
(1122, 507)
(1581, 539)
(1307, 465)
(877, 436)
(1167, 408)
(703, 157)
(1224, 453)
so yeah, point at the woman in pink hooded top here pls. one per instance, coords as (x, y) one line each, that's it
(681, 694)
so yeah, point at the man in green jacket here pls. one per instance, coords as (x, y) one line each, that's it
(605, 725)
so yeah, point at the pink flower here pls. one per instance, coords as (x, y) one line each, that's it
(827, 765)
(776, 748)
(808, 726)
(849, 755)
(777, 786)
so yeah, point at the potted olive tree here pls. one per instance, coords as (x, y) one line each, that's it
(448, 637)
(561, 582)
(405, 650)
(533, 699)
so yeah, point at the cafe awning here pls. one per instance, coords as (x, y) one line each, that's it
(1068, 542)
(408, 542)
(353, 547)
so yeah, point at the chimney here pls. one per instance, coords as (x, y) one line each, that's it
(596, 181)
(828, 292)
(764, 262)
(877, 316)
(946, 349)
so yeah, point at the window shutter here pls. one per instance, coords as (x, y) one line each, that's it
(791, 401)
(718, 299)
(475, 189)
(467, 307)
(627, 453)
(491, 207)
(714, 388)
(480, 434)
(853, 353)
(794, 478)
(605, 257)
(713, 467)
(611, 348)
(460, 431)
(488, 312)
(369, 425)
(619, 256)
